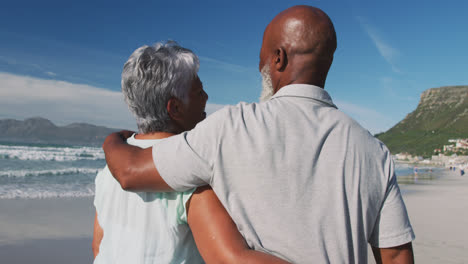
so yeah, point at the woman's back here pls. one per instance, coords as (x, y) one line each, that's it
(142, 227)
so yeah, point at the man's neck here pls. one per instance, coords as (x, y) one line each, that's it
(154, 135)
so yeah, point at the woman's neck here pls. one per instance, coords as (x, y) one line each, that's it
(154, 135)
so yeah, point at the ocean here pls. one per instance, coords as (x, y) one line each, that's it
(39, 171)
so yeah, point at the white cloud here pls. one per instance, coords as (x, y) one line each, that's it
(389, 53)
(370, 119)
(63, 102)
(51, 74)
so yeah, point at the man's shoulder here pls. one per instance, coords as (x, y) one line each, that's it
(345, 120)
(241, 106)
(357, 133)
(232, 112)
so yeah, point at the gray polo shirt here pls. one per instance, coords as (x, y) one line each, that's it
(301, 179)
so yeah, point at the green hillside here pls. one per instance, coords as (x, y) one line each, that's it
(442, 114)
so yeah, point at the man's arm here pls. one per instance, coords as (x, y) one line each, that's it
(216, 235)
(401, 254)
(97, 236)
(132, 166)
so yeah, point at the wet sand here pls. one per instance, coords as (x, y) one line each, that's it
(46, 230)
(53, 251)
(438, 211)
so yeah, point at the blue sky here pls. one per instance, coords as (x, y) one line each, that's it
(63, 60)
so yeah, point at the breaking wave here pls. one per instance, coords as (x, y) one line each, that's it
(52, 172)
(51, 153)
(46, 191)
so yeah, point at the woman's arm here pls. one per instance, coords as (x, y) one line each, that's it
(97, 236)
(216, 235)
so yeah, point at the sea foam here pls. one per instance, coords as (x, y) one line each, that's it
(53, 172)
(46, 191)
(51, 153)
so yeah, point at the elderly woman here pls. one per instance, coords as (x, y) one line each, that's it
(163, 91)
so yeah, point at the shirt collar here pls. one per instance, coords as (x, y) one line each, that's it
(306, 91)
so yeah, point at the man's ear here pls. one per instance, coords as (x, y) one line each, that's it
(281, 59)
(174, 109)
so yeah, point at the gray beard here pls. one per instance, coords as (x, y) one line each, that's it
(267, 85)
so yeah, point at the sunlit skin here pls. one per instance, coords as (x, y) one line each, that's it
(298, 45)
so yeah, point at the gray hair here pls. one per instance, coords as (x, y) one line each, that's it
(151, 76)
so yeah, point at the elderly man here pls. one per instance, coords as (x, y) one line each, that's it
(300, 179)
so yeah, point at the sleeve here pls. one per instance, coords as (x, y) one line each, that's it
(182, 206)
(185, 161)
(393, 227)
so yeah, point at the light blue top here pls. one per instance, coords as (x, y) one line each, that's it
(142, 227)
(301, 180)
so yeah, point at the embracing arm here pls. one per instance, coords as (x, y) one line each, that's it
(216, 235)
(401, 254)
(132, 166)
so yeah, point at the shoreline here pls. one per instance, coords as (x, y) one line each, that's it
(438, 162)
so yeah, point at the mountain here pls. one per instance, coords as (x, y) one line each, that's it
(41, 130)
(442, 114)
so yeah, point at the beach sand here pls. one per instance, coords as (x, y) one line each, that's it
(438, 211)
(60, 230)
(46, 230)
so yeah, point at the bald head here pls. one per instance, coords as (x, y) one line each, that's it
(298, 47)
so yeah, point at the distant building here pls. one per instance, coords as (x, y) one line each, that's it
(403, 156)
(462, 144)
(458, 145)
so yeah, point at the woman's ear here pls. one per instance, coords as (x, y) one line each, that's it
(174, 109)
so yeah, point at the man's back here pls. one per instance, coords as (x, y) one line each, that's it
(298, 177)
